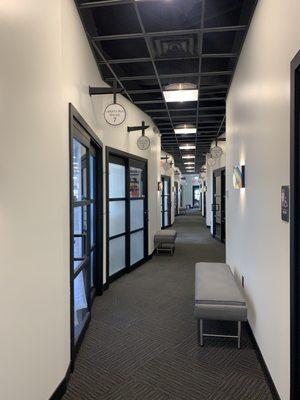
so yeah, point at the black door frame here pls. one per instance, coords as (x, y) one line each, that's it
(90, 139)
(204, 199)
(219, 172)
(128, 158)
(167, 178)
(295, 228)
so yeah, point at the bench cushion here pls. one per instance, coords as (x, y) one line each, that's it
(217, 295)
(165, 236)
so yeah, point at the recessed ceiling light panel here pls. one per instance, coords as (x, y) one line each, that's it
(180, 95)
(188, 156)
(187, 147)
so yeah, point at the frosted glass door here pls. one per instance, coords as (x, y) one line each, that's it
(165, 202)
(137, 212)
(117, 217)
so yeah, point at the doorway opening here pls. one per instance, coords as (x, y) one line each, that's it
(196, 196)
(166, 202)
(86, 225)
(127, 212)
(219, 205)
(176, 198)
(295, 227)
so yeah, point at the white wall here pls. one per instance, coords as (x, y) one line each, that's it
(258, 127)
(34, 243)
(46, 63)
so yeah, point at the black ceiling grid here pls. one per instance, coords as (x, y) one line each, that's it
(149, 44)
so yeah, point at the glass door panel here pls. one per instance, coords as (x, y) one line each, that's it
(117, 259)
(117, 216)
(81, 308)
(79, 171)
(136, 247)
(136, 182)
(116, 181)
(136, 214)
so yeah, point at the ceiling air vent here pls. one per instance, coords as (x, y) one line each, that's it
(174, 47)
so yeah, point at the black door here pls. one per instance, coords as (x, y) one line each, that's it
(218, 206)
(295, 228)
(127, 213)
(166, 202)
(86, 225)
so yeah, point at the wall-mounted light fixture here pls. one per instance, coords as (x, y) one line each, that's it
(239, 176)
(159, 186)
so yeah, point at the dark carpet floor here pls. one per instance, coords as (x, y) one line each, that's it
(142, 344)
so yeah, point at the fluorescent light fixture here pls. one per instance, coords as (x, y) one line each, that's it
(180, 95)
(185, 131)
(189, 163)
(187, 147)
(188, 156)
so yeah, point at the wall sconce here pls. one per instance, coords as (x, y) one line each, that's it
(204, 188)
(239, 176)
(159, 186)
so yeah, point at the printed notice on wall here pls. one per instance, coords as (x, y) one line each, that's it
(285, 203)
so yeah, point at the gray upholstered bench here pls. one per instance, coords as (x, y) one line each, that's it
(217, 297)
(164, 240)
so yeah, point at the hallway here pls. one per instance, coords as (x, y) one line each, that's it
(142, 344)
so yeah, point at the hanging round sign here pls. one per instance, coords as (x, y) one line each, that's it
(216, 152)
(143, 142)
(115, 114)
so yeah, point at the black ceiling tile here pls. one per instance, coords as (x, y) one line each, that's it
(215, 64)
(215, 80)
(148, 97)
(125, 48)
(222, 12)
(178, 67)
(135, 69)
(170, 15)
(149, 84)
(218, 42)
(112, 20)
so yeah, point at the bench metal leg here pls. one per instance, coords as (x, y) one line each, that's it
(239, 333)
(201, 332)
